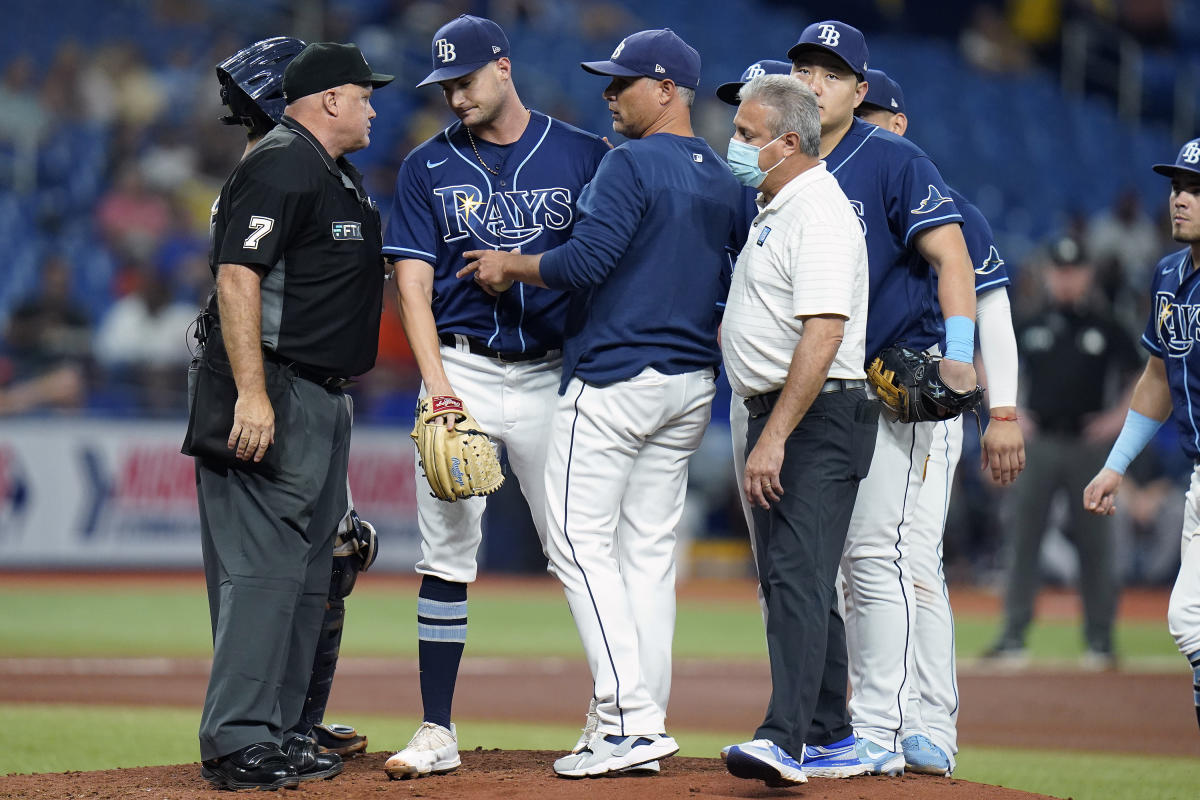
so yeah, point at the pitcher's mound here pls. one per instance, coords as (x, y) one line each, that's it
(505, 774)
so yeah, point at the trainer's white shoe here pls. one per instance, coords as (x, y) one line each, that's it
(606, 754)
(433, 750)
(590, 725)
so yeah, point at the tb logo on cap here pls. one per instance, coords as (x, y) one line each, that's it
(829, 36)
(755, 71)
(1191, 153)
(617, 53)
(445, 51)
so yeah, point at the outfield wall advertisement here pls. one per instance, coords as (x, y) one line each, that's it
(115, 494)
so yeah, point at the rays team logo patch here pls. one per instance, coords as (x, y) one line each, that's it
(347, 231)
(1178, 324)
(762, 237)
(990, 264)
(934, 199)
(503, 219)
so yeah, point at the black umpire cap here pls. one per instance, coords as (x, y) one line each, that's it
(324, 65)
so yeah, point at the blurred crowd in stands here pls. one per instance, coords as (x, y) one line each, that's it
(111, 156)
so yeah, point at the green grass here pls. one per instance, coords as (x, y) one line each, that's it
(1148, 643)
(533, 622)
(173, 622)
(1082, 776)
(64, 738)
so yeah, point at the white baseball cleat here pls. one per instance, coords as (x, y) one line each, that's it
(433, 750)
(590, 725)
(606, 754)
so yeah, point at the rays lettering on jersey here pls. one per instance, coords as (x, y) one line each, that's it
(505, 219)
(1178, 324)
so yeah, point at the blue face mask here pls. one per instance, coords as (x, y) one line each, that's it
(743, 162)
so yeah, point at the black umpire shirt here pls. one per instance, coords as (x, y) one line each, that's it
(304, 221)
(1076, 363)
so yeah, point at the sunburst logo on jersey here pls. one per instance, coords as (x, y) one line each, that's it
(1178, 324)
(468, 204)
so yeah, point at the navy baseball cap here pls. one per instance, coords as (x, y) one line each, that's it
(658, 54)
(844, 41)
(463, 45)
(1188, 161)
(728, 92)
(883, 92)
(324, 65)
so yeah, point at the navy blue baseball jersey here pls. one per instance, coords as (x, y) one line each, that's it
(897, 192)
(649, 261)
(447, 202)
(1172, 333)
(990, 272)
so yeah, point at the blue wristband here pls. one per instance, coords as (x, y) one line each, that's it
(1136, 433)
(960, 339)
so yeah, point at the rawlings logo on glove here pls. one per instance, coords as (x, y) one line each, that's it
(460, 462)
(910, 385)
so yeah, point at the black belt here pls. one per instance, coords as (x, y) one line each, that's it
(480, 349)
(329, 382)
(761, 404)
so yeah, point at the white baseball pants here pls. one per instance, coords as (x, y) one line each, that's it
(512, 403)
(880, 592)
(933, 696)
(616, 477)
(1183, 612)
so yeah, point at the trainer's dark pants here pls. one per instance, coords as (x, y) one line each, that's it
(1060, 463)
(268, 549)
(799, 544)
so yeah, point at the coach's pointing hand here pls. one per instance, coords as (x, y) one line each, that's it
(488, 266)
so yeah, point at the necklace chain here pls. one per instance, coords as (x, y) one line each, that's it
(478, 157)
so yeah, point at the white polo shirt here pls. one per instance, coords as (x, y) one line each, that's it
(806, 255)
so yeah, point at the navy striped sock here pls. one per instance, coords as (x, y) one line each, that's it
(442, 635)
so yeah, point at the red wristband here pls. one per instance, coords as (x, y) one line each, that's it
(1013, 418)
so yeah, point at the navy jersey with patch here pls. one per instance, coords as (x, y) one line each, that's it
(446, 203)
(1173, 333)
(897, 192)
(649, 261)
(990, 272)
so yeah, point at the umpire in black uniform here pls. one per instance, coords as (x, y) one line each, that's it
(1076, 360)
(296, 251)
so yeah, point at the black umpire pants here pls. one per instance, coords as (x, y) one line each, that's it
(799, 545)
(267, 543)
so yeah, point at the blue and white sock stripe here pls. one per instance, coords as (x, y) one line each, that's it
(439, 621)
(441, 633)
(438, 609)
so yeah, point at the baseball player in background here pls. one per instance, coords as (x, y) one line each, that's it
(1168, 388)
(503, 177)
(930, 738)
(913, 231)
(252, 89)
(648, 264)
(793, 337)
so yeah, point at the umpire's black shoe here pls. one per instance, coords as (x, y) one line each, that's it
(256, 766)
(310, 763)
